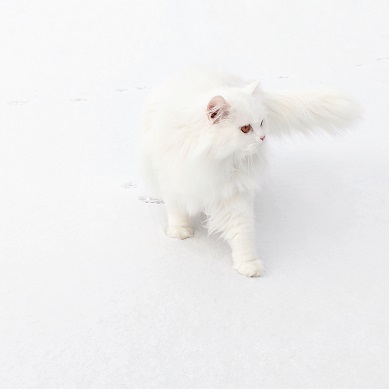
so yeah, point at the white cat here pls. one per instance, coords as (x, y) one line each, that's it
(203, 145)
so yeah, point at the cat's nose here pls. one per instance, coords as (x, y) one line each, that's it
(262, 137)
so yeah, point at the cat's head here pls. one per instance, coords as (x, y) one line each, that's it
(237, 122)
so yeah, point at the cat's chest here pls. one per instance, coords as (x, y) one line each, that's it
(216, 182)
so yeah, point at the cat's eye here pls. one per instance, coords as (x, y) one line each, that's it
(261, 123)
(246, 128)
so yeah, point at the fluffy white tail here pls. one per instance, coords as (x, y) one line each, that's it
(309, 112)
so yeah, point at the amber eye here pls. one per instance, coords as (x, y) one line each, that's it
(246, 128)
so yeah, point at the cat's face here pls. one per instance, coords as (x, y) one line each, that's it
(237, 122)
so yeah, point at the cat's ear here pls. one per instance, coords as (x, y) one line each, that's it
(254, 87)
(217, 109)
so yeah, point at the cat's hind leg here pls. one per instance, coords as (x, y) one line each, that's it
(178, 221)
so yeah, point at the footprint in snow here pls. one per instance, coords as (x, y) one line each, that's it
(128, 185)
(150, 200)
(145, 199)
(18, 102)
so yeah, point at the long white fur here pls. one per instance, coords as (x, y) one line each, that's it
(309, 111)
(198, 164)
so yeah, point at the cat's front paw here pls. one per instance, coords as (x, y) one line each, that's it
(179, 232)
(250, 268)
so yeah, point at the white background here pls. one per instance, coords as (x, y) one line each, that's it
(94, 295)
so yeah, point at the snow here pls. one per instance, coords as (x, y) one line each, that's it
(94, 295)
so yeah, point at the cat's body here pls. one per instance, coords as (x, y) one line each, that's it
(203, 145)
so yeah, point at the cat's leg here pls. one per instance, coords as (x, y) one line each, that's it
(244, 256)
(234, 219)
(178, 221)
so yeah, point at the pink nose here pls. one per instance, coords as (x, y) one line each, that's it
(262, 137)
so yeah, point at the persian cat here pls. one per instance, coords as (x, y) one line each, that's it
(203, 144)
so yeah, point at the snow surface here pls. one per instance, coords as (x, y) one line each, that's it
(94, 295)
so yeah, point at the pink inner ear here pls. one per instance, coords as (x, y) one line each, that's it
(217, 101)
(217, 108)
